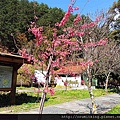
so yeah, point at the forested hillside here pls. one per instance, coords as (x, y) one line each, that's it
(16, 16)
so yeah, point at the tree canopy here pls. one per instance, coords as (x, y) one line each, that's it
(15, 18)
(115, 14)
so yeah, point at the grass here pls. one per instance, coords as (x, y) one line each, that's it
(27, 101)
(114, 110)
(24, 88)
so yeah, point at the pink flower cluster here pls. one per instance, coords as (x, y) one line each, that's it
(67, 14)
(44, 55)
(98, 19)
(80, 34)
(96, 60)
(102, 42)
(56, 63)
(56, 43)
(94, 44)
(26, 69)
(29, 58)
(85, 26)
(65, 18)
(46, 90)
(49, 90)
(87, 63)
(90, 44)
(23, 52)
(65, 83)
(77, 19)
(38, 35)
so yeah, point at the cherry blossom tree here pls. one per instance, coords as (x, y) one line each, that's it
(53, 54)
(60, 50)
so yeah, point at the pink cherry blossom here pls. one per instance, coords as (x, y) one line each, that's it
(96, 60)
(77, 19)
(76, 8)
(80, 34)
(89, 63)
(38, 34)
(51, 91)
(46, 90)
(102, 42)
(65, 83)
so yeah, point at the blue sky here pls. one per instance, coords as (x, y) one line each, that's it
(91, 7)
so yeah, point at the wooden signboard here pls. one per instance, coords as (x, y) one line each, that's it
(6, 76)
(9, 65)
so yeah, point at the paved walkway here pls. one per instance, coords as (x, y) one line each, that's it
(104, 104)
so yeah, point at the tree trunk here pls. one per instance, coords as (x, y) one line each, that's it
(94, 107)
(106, 82)
(42, 102)
(38, 92)
(66, 83)
(20, 82)
(45, 85)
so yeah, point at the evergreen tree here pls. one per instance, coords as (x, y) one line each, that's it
(17, 15)
(115, 24)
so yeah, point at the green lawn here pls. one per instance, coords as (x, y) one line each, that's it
(114, 110)
(27, 101)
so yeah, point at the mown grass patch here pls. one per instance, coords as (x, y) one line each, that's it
(114, 110)
(28, 100)
(25, 88)
(66, 96)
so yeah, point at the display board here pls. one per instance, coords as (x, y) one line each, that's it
(6, 76)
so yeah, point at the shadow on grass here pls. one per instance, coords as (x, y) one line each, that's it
(20, 99)
(115, 90)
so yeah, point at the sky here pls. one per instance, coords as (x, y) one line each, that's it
(90, 8)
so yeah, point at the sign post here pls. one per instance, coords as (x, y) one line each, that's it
(9, 65)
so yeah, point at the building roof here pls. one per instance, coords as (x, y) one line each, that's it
(77, 69)
(10, 58)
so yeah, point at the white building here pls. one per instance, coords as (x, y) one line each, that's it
(65, 75)
(71, 74)
(72, 81)
(40, 76)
